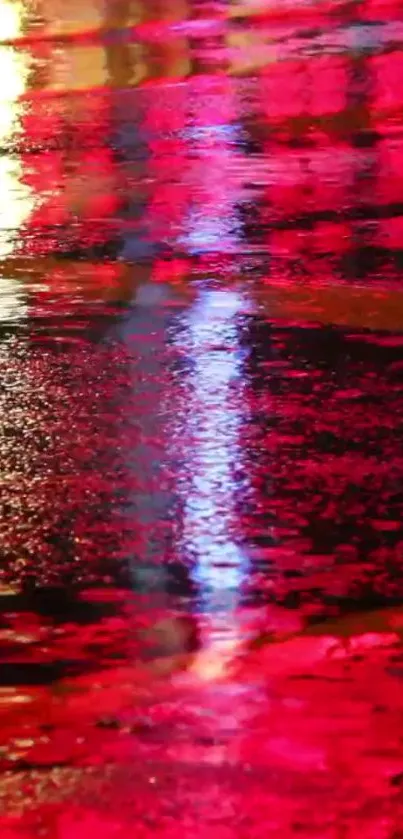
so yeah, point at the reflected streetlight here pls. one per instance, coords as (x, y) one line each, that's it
(210, 430)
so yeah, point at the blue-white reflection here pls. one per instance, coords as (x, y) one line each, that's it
(211, 429)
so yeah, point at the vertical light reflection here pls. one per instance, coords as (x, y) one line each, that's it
(213, 176)
(16, 203)
(14, 68)
(213, 224)
(211, 448)
(16, 199)
(11, 16)
(12, 303)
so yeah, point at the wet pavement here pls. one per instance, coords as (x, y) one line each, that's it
(201, 355)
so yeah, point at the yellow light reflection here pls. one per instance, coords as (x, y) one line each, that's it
(16, 202)
(14, 69)
(249, 52)
(73, 17)
(12, 306)
(16, 199)
(78, 68)
(11, 18)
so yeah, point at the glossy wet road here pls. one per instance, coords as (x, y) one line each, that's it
(201, 356)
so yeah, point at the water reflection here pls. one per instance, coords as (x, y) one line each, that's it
(16, 199)
(212, 138)
(10, 19)
(211, 426)
(287, 152)
(16, 202)
(237, 146)
(13, 303)
(201, 353)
